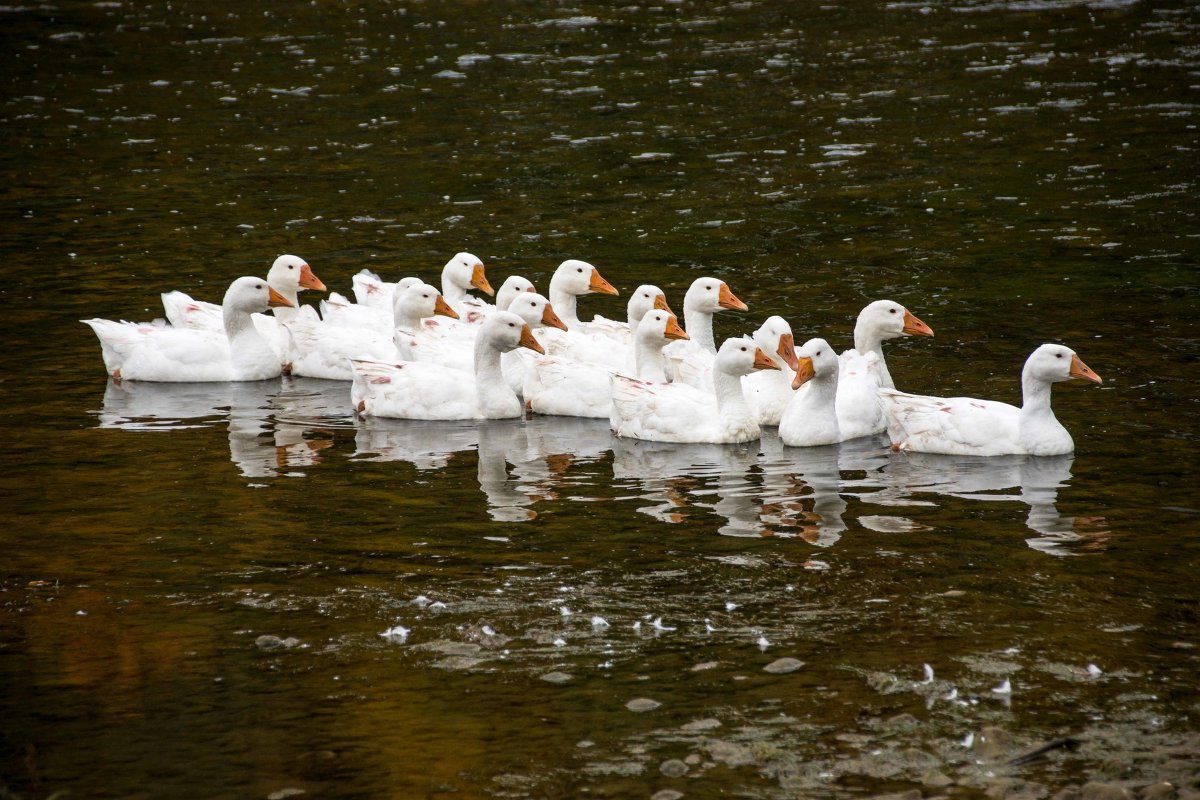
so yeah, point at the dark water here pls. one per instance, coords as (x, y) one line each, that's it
(1014, 172)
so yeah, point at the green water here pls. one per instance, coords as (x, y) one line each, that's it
(1012, 172)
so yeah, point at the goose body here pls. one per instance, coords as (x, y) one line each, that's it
(677, 412)
(969, 426)
(160, 352)
(811, 418)
(561, 387)
(419, 390)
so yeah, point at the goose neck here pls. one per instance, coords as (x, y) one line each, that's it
(700, 328)
(566, 305)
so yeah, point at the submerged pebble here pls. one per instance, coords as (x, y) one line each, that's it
(642, 704)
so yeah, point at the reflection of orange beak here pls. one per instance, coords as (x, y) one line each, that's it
(804, 372)
(660, 303)
(440, 306)
(310, 281)
(763, 361)
(673, 330)
(598, 284)
(276, 300)
(1082, 370)
(727, 300)
(480, 281)
(914, 326)
(527, 340)
(787, 350)
(551, 319)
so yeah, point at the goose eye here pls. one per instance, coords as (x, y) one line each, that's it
(891, 311)
(1058, 355)
(258, 286)
(579, 269)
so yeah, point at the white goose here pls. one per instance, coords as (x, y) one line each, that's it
(811, 419)
(967, 426)
(608, 342)
(417, 390)
(768, 391)
(656, 330)
(451, 342)
(337, 309)
(321, 349)
(462, 273)
(691, 361)
(538, 314)
(676, 412)
(289, 275)
(863, 369)
(561, 387)
(410, 308)
(572, 279)
(158, 352)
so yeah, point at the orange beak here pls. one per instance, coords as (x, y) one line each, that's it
(804, 372)
(727, 300)
(787, 350)
(440, 306)
(527, 340)
(660, 303)
(480, 281)
(763, 361)
(531, 288)
(1082, 370)
(673, 330)
(598, 284)
(276, 300)
(550, 319)
(914, 326)
(310, 281)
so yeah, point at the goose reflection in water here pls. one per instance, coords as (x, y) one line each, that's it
(269, 422)
(1037, 480)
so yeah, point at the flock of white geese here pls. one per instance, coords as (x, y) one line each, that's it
(414, 352)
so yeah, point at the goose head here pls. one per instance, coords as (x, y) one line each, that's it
(420, 300)
(886, 319)
(536, 310)
(644, 298)
(659, 327)
(513, 285)
(774, 337)
(815, 359)
(408, 281)
(291, 274)
(1055, 362)
(579, 277)
(252, 295)
(505, 331)
(710, 295)
(741, 356)
(466, 272)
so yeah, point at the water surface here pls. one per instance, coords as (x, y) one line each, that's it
(196, 579)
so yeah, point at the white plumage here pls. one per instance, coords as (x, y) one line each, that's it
(968, 426)
(160, 352)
